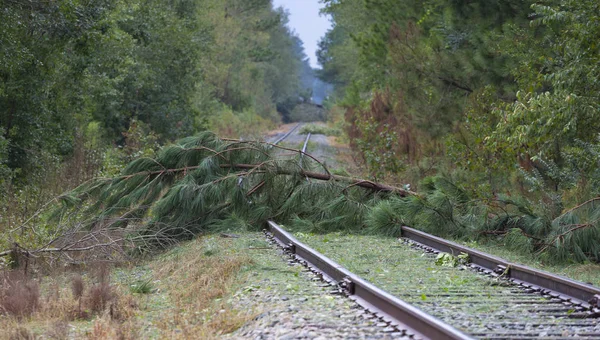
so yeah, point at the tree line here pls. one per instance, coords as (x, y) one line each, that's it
(501, 98)
(74, 71)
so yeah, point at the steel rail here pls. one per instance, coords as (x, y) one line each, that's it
(304, 149)
(305, 144)
(405, 316)
(576, 292)
(286, 135)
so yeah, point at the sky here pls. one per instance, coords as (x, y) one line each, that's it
(307, 23)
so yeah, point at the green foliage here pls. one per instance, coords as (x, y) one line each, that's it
(500, 96)
(449, 260)
(575, 234)
(386, 218)
(515, 240)
(142, 287)
(318, 129)
(176, 67)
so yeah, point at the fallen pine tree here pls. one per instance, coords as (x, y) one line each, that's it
(205, 184)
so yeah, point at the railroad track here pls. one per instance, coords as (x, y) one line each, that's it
(304, 147)
(508, 301)
(286, 135)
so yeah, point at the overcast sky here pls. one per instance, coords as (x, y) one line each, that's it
(307, 23)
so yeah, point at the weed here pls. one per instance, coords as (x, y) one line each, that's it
(99, 296)
(141, 287)
(19, 296)
(21, 333)
(77, 286)
(101, 293)
(59, 330)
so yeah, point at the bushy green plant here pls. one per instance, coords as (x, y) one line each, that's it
(319, 129)
(142, 287)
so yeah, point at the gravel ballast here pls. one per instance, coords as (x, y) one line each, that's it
(291, 303)
(476, 304)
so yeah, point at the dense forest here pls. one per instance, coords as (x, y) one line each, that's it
(86, 86)
(499, 98)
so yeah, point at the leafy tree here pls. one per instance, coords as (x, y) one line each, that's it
(172, 65)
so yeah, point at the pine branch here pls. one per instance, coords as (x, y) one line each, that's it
(366, 184)
(579, 206)
(574, 228)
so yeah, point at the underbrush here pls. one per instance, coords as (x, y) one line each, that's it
(25, 202)
(33, 304)
(186, 297)
(247, 124)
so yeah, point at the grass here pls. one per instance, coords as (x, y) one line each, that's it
(63, 304)
(141, 287)
(180, 294)
(199, 310)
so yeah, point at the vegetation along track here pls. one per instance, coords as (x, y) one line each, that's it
(490, 306)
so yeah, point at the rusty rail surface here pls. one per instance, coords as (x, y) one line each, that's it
(414, 321)
(578, 293)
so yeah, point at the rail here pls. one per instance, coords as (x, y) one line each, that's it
(404, 316)
(280, 139)
(578, 293)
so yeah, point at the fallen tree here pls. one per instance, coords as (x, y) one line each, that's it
(196, 185)
(205, 184)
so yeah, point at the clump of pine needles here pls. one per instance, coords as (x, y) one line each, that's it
(204, 184)
(446, 210)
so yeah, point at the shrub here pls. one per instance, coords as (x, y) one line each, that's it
(101, 293)
(19, 296)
